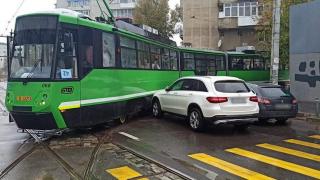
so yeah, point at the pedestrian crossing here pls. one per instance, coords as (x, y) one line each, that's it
(258, 172)
(252, 155)
(125, 173)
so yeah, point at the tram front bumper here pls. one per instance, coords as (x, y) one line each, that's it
(37, 121)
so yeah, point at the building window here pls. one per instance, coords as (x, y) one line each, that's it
(247, 9)
(234, 9)
(227, 10)
(78, 3)
(242, 9)
(254, 9)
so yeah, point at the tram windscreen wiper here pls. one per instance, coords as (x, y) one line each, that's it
(34, 68)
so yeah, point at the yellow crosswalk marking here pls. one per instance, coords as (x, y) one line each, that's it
(277, 162)
(229, 167)
(124, 173)
(315, 136)
(303, 143)
(290, 151)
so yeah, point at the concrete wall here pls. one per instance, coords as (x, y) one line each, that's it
(203, 28)
(305, 51)
(233, 38)
(201, 23)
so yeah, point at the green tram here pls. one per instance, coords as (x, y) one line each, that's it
(67, 71)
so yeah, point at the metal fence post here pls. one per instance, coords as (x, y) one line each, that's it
(317, 107)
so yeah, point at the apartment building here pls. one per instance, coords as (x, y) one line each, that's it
(3, 58)
(221, 24)
(120, 8)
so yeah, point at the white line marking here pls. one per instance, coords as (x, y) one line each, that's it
(129, 136)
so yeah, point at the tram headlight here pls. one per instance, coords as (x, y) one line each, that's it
(42, 103)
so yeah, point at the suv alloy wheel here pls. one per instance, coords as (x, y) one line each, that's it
(196, 120)
(156, 109)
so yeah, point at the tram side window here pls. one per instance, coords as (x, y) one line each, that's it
(108, 49)
(166, 59)
(67, 67)
(211, 69)
(143, 55)
(188, 61)
(259, 63)
(155, 57)
(248, 63)
(241, 63)
(128, 53)
(174, 60)
(220, 63)
(86, 50)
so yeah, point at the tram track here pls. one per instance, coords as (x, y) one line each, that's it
(104, 137)
(159, 164)
(16, 162)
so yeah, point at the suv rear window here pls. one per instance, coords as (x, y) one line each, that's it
(273, 92)
(231, 87)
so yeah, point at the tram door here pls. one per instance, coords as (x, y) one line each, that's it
(206, 66)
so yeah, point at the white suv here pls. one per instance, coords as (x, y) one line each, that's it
(216, 99)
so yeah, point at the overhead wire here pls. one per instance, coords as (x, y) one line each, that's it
(13, 16)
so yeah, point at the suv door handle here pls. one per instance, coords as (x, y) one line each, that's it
(190, 94)
(175, 93)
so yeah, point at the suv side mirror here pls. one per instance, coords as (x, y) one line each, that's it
(167, 89)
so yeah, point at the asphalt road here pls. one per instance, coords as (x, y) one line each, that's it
(148, 148)
(264, 151)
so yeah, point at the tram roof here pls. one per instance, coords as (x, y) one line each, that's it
(201, 51)
(236, 53)
(76, 18)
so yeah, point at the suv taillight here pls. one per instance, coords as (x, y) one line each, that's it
(254, 98)
(264, 101)
(294, 101)
(217, 99)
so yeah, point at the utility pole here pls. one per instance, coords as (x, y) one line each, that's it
(275, 42)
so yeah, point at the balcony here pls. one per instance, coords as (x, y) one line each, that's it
(228, 23)
(227, 1)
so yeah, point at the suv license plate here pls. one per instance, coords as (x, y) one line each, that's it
(238, 100)
(283, 106)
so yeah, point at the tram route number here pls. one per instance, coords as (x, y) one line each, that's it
(24, 98)
(67, 90)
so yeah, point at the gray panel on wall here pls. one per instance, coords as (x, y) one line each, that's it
(305, 28)
(305, 51)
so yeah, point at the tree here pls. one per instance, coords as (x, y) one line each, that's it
(264, 29)
(157, 14)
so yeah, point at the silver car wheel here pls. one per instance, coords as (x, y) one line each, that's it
(155, 109)
(194, 119)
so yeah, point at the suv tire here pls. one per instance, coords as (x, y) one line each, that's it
(156, 109)
(242, 127)
(196, 120)
(282, 120)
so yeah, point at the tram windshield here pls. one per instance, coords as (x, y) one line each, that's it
(33, 47)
